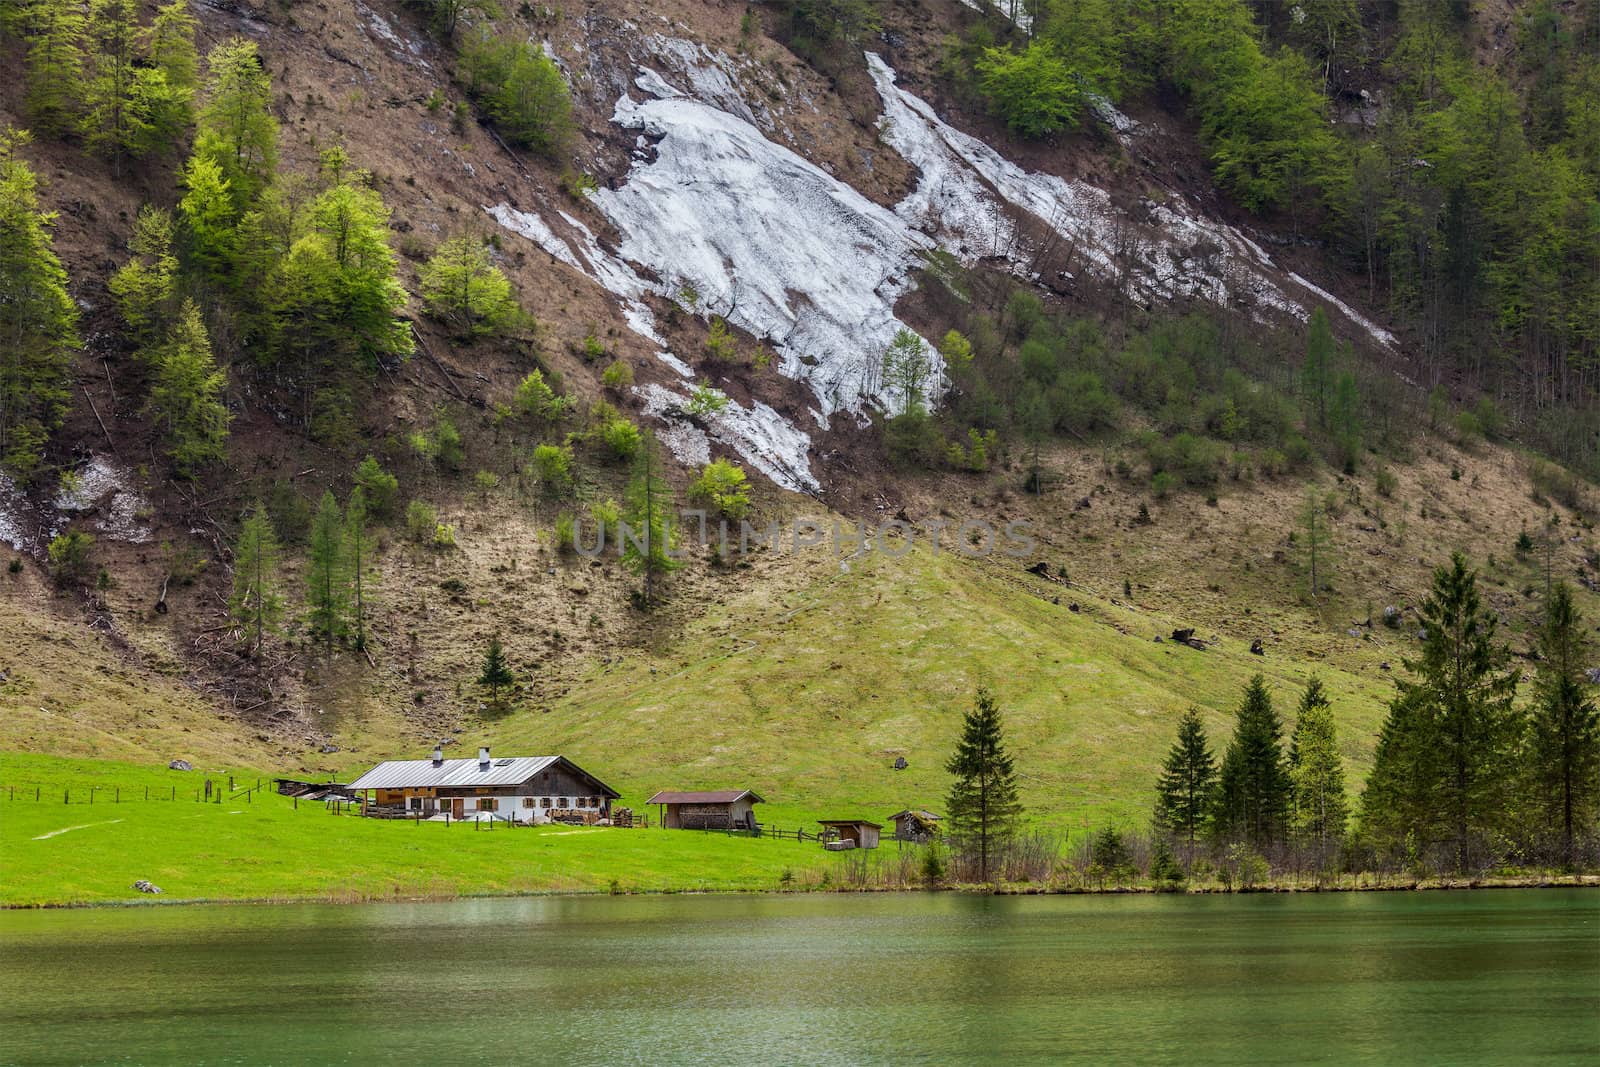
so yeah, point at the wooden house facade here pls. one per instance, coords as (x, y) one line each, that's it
(525, 789)
(712, 809)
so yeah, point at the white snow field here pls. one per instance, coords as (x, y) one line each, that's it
(790, 254)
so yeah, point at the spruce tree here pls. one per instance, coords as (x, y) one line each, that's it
(1564, 750)
(496, 674)
(982, 807)
(38, 319)
(648, 541)
(186, 395)
(1252, 800)
(168, 84)
(114, 122)
(54, 66)
(145, 285)
(1317, 773)
(1316, 375)
(359, 550)
(256, 605)
(1443, 770)
(325, 571)
(208, 216)
(1184, 793)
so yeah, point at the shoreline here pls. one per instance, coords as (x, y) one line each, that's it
(1434, 885)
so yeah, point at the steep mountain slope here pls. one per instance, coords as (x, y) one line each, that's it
(814, 215)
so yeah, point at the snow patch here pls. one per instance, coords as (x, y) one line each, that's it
(13, 507)
(761, 437)
(1014, 10)
(105, 485)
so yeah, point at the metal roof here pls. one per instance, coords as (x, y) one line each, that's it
(850, 822)
(709, 796)
(923, 814)
(452, 773)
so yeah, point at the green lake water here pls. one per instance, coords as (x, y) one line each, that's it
(1439, 978)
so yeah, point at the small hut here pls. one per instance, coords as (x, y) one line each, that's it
(915, 824)
(710, 809)
(852, 833)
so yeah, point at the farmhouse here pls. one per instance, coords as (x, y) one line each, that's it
(527, 789)
(850, 833)
(715, 809)
(914, 825)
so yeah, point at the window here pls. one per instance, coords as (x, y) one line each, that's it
(486, 804)
(544, 802)
(527, 802)
(564, 803)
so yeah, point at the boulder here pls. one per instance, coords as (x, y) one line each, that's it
(143, 885)
(1257, 648)
(900, 763)
(180, 765)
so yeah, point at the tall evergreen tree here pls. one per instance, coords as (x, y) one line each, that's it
(1317, 773)
(38, 319)
(168, 83)
(144, 286)
(1442, 770)
(209, 220)
(648, 541)
(114, 123)
(983, 807)
(1188, 780)
(186, 395)
(54, 66)
(1253, 788)
(359, 550)
(1564, 754)
(1316, 374)
(326, 580)
(237, 131)
(256, 604)
(496, 674)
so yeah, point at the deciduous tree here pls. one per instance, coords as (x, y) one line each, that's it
(256, 604)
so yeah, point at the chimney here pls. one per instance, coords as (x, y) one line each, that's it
(483, 757)
(438, 756)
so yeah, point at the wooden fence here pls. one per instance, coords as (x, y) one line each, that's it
(212, 791)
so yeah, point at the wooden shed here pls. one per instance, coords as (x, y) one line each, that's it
(914, 824)
(854, 833)
(711, 809)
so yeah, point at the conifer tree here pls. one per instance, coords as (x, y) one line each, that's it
(648, 541)
(1188, 780)
(256, 604)
(55, 62)
(326, 581)
(1564, 754)
(114, 122)
(237, 131)
(208, 214)
(1253, 788)
(1317, 773)
(144, 286)
(1442, 770)
(906, 370)
(496, 674)
(1316, 375)
(358, 547)
(169, 43)
(983, 807)
(186, 395)
(38, 319)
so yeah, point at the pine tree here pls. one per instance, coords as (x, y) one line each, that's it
(186, 395)
(496, 674)
(983, 807)
(647, 541)
(55, 62)
(38, 319)
(1564, 754)
(1184, 793)
(256, 605)
(1442, 769)
(326, 583)
(1319, 807)
(461, 286)
(237, 131)
(1252, 800)
(359, 549)
(144, 286)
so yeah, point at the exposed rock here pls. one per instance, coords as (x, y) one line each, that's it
(144, 885)
(180, 765)
(900, 763)
(328, 749)
(1257, 648)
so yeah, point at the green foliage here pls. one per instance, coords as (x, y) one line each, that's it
(146, 285)
(326, 595)
(1563, 758)
(496, 673)
(445, 15)
(38, 319)
(236, 130)
(618, 377)
(256, 604)
(186, 395)
(647, 549)
(209, 215)
(976, 454)
(114, 124)
(1442, 769)
(378, 487)
(54, 65)
(621, 438)
(520, 88)
(1253, 786)
(461, 286)
(721, 345)
(906, 370)
(537, 401)
(69, 557)
(913, 439)
(724, 488)
(1184, 792)
(440, 445)
(1033, 90)
(485, 482)
(566, 533)
(359, 552)
(705, 401)
(1318, 808)
(551, 467)
(421, 522)
(982, 808)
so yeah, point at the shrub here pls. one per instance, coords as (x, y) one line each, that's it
(723, 487)
(1190, 459)
(460, 286)
(421, 518)
(593, 348)
(1386, 482)
(444, 535)
(551, 467)
(607, 517)
(914, 438)
(69, 556)
(566, 532)
(535, 399)
(1557, 483)
(618, 376)
(705, 400)
(486, 482)
(378, 486)
(520, 87)
(1162, 484)
(621, 438)
(1034, 90)
(721, 346)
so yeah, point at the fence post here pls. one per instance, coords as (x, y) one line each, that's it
(147, 792)
(66, 796)
(117, 799)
